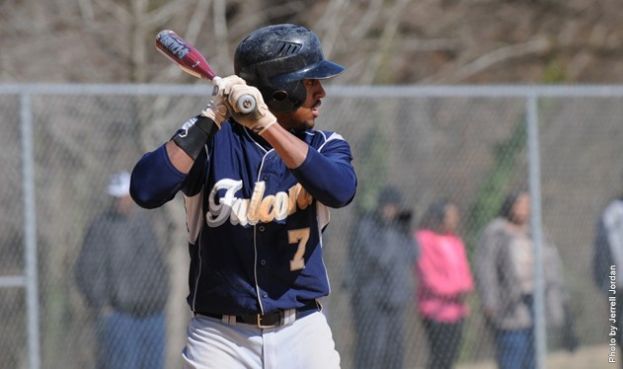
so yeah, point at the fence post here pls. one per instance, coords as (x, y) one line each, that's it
(30, 231)
(534, 169)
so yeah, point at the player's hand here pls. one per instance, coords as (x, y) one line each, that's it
(216, 110)
(223, 85)
(259, 119)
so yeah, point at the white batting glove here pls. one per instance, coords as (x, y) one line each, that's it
(217, 107)
(223, 85)
(216, 110)
(259, 119)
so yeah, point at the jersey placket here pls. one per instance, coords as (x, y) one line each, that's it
(260, 260)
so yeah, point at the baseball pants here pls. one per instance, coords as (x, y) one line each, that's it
(306, 343)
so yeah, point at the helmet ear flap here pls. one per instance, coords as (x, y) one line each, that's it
(280, 95)
(287, 97)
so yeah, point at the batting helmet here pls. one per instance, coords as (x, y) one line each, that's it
(276, 59)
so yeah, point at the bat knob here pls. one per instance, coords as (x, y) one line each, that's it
(246, 104)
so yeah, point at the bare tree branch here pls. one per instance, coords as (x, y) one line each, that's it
(253, 15)
(138, 49)
(162, 14)
(118, 12)
(368, 19)
(427, 45)
(196, 20)
(331, 22)
(389, 32)
(86, 11)
(220, 33)
(503, 54)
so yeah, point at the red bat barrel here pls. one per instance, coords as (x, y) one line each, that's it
(183, 54)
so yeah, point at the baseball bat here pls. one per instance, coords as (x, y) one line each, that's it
(191, 61)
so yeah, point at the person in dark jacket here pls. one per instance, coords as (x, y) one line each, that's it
(382, 255)
(123, 277)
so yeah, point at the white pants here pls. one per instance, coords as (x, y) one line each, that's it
(305, 344)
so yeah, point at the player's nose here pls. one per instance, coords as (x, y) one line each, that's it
(319, 91)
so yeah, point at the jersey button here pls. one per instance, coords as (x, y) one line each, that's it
(263, 262)
(261, 228)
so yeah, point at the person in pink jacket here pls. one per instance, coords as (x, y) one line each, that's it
(444, 279)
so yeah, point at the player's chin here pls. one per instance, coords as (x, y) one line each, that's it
(304, 125)
(311, 119)
(308, 123)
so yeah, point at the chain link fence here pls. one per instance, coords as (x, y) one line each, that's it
(469, 145)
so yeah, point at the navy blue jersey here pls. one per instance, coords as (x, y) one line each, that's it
(255, 226)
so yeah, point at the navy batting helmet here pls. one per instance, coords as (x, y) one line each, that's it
(276, 59)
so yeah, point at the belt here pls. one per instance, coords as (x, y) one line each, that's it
(269, 320)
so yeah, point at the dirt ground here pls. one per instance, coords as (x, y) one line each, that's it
(587, 357)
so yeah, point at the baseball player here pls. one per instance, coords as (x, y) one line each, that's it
(257, 188)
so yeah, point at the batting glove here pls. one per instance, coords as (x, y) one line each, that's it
(223, 85)
(258, 120)
(216, 110)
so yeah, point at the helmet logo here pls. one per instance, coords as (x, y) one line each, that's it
(288, 48)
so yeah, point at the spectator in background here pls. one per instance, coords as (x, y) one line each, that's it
(382, 255)
(504, 267)
(608, 257)
(444, 280)
(123, 277)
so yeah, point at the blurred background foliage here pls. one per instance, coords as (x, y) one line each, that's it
(380, 41)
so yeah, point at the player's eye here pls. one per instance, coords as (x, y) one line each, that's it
(310, 82)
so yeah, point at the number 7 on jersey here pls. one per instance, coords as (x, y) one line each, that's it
(299, 237)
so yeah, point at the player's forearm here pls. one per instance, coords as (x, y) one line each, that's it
(290, 148)
(158, 176)
(179, 158)
(155, 179)
(330, 181)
